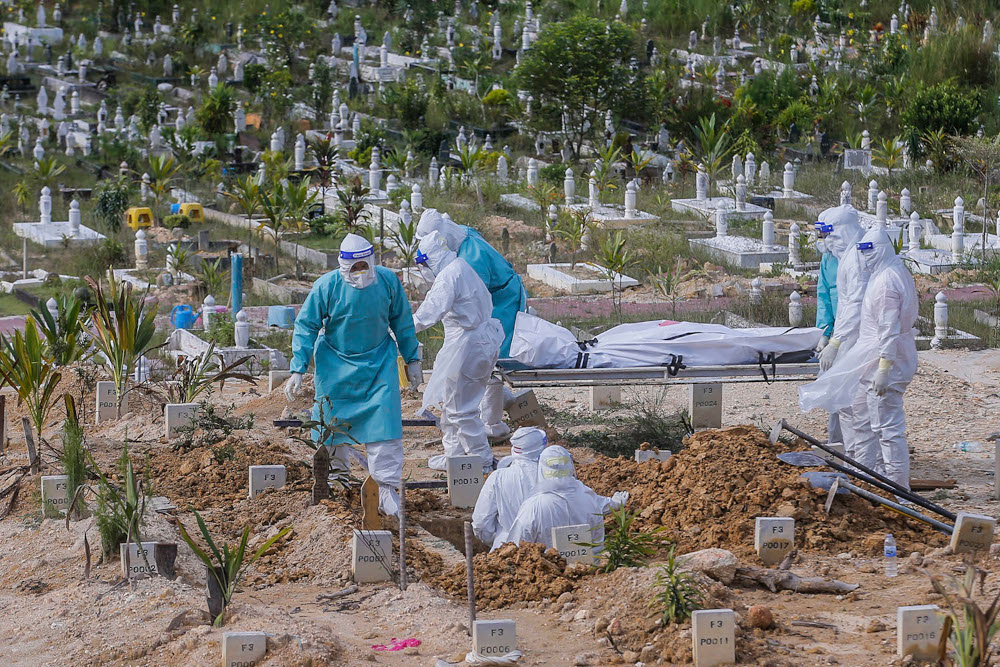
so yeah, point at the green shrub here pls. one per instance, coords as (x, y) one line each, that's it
(942, 107)
(253, 77)
(497, 98)
(798, 112)
(177, 220)
(677, 593)
(553, 173)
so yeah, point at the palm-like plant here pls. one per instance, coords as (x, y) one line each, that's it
(123, 329)
(7, 142)
(64, 335)
(714, 145)
(405, 238)
(46, 171)
(614, 258)
(274, 206)
(162, 174)
(865, 102)
(604, 168)
(351, 191)
(889, 154)
(247, 193)
(326, 153)
(299, 198)
(471, 159)
(196, 374)
(34, 375)
(572, 227)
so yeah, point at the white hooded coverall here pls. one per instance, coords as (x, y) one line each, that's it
(872, 376)
(505, 490)
(852, 279)
(472, 339)
(560, 499)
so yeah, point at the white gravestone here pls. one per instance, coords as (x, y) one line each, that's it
(242, 649)
(137, 567)
(773, 538)
(643, 455)
(465, 480)
(107, 403)
(713, 637)
(494, 639)
(918, 631)
(972, 532)
(706, 405)
(573, 543)
(55, 494)
(266, 477)
(371, 555)
(179, 415)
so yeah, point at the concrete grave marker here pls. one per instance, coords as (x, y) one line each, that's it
(918, 631)
(465, 480)
(972, 532)
(494, 639)
(643, 455)
(243, 649)
(713, 637)
(706, 405)
(773, 538)
(55, 494)
(179, 415)
(276, 378)
(526, 412)
(266, 477)
(371, 555)
(107, 402)
(605, 398)
(570, 542)
(136, 568)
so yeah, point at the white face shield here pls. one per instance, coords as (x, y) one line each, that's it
(357, 261)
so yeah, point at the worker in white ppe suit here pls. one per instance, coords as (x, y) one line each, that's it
(472, 338)
(506, 292)
(356, 377)
(841, 232)
(888, 314)
(560, 499)
(505, 490)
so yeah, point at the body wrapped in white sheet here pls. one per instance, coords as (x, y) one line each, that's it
(541, 344)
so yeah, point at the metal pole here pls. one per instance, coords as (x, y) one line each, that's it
(469, 573)
(3, 422)
(24, 260)
(402, 537)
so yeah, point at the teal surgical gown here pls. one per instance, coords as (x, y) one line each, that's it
(826, 294)
(356, 376)
(501, 280)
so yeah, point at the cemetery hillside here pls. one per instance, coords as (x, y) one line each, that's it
(499, 332)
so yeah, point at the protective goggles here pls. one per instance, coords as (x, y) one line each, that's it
(357, 254)
(421, 258)
(823, 228)
(866, 245)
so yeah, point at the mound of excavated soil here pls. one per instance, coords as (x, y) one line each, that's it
(508, 575)
(709, 494)
(216, 476)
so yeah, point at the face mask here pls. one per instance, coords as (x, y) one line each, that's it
(361, 279)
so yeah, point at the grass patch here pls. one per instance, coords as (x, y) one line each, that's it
(11, 305)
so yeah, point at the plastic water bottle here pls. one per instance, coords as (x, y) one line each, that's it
(967, 446)
(889, 549)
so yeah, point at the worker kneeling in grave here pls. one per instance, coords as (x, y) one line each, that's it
(507, 296)
(560, 499)
(459, 299)
(504, 491)
(356, 376)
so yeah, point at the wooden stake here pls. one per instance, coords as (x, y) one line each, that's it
(996, 471)
(402, 537)
(369, 505)
(469, 574)
(30, 442)
(3, 423)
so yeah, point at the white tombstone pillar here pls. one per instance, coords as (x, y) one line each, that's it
(416, 199)
(788, 180)
(872, 195)
(630, 197)
(45, 206)
(569, 187)
(958, 233)
(74, 219)
(904, 203)
(940, 320)
(207, 311)
(141, 251)
(794, 309)
(914, 232)
(741, 193)
(532, 172)
(242, 330)
(793, 245)
(767, 230)
(845, 193)
(882, 208)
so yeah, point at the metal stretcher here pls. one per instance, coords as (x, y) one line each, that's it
(519, 376)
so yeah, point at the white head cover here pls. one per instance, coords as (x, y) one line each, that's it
(846, 229)
(435, 253)
(528, 442)
(356, 251)
(432, 220)
(877, 251)
(555, 470)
